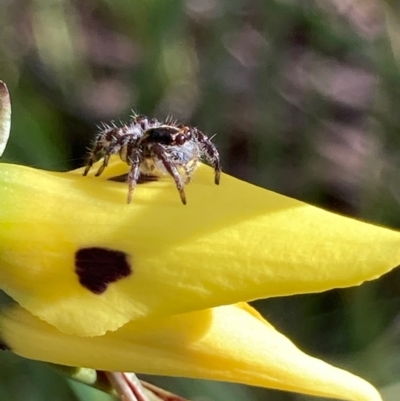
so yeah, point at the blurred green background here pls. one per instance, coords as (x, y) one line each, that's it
(304, 97)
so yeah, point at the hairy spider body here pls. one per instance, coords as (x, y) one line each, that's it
(151, 147)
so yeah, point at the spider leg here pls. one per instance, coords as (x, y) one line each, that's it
(160, 152)
(210, 153)
(103, 166)
(189, 168)
(133, 175)
(187, 177)
(89, 165)
(111, 151)
(93, 157)
(217, 172)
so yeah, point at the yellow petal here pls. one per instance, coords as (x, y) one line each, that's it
(230, 343)
(233, 242)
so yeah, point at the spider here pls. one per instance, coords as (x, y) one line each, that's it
(151, 147)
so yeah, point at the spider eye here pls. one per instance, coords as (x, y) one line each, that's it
(180, 139)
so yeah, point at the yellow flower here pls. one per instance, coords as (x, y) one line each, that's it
(101, 284)
(140, 287)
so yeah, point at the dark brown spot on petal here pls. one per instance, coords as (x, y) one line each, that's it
(4, 347)
(99, 267)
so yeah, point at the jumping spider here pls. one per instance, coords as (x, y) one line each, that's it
(151, 147)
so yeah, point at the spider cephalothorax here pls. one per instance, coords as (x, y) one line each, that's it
(151, 147)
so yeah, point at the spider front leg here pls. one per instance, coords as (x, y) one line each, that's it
(217, 171)
(133, 176)
(161, 154)
(210, 153)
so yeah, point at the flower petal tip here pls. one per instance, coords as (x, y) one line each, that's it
(5, 116)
